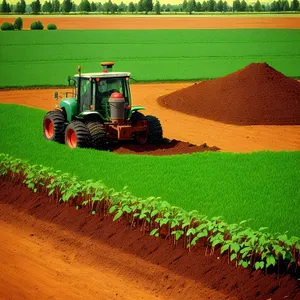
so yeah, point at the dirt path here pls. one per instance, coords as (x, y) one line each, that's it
(40, 260)
(183, 127)
(161, 22)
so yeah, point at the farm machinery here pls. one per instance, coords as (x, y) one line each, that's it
(98, 111)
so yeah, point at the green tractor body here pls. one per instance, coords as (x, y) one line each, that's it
(100, 111)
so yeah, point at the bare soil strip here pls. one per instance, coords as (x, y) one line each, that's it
(70, 253)
(183, 127)
(157, 22)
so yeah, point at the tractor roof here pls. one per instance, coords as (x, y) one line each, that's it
(103, 75)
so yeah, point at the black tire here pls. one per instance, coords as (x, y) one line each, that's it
(155, 135)
(54, 126)
(77, 135)
(136, 116)
(98, 135)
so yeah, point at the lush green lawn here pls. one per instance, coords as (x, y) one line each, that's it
(29, 58)
(263, 186)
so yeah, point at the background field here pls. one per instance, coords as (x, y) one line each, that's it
(30, 58)
(261, 186)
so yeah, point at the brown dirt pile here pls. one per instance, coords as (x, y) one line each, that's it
(255, 95)
(168, 147)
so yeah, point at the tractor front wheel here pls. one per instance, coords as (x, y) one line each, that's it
(77, 135)
(54, 126)
(98, 135)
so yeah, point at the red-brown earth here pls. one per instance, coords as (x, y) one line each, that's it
(160, 22)
(53, 251)
(255, 95)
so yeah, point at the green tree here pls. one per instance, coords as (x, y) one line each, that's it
(225, 6)
(257, 6)
(67, 6)
(108, 6)
(236, 5)
(140, 6)
(191, 6)
(220, 5)
(211, 5)
(295, 5)
(185, 6)
(36, 7)
(4, 7)
(20, 7)
(93, 6)
(56, 5)
(84, 6)
(131, 7)
(199, 6)
(204, 6)
(243, 5)
(122, 7)
(18, 23)
(148, 5)
(74, 7)
(285, 5)
(157, 8)
(47, 7)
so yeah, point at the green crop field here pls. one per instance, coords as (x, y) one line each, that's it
(32, 58)
(261, 186)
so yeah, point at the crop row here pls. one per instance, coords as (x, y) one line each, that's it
(47, 58)
(248, 248)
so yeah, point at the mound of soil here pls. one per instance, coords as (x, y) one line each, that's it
(213, 270)
(255, 95)
(168, 147)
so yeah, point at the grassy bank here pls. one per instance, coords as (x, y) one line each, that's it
(261, 186)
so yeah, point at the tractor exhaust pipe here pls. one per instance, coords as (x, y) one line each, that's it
(107, 66)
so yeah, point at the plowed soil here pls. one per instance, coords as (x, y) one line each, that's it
(180, 126)
(255, 95)
(51, 251)
(160, 22)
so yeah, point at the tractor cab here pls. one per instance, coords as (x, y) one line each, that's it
(94, 90)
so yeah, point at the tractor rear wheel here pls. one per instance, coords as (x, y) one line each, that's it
(98, 134)
(77, 135)
(54, 126)
(155, 134)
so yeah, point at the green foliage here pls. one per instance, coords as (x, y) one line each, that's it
(36, 7)
(7, 26)
(36, 25)
(198, 54)
(256, 249)
(261, 186)
(51, 27)
(18, 24)
(20, 7)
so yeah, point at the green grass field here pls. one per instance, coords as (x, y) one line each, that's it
(262, 186)
(32, 58)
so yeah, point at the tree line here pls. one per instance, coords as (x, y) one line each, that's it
(146, 6)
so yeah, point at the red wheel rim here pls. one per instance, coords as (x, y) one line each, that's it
(142, 137)
(71, 138)
(48, 129)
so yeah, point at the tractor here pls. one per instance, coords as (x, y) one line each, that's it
(99, 111)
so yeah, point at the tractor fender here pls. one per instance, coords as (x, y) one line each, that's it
(89, 113)
(136, 108)
(69, 105)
